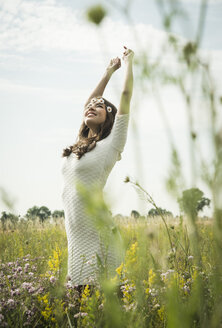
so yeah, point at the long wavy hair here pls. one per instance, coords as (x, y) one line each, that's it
(84, 143)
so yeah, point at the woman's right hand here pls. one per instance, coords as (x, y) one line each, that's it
(114, 64)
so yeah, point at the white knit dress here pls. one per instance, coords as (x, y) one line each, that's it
(93, 169)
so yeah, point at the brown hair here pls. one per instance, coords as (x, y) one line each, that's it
(85, 144)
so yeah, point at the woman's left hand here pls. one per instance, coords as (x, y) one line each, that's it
(114, 64)
(128, 55)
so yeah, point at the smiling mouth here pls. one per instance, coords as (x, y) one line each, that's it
(91, 114)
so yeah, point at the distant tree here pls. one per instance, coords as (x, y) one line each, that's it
(135, 214)
(192, 201)
(42, 213)
(13, 219)
(159, 211)
(202, 203)
(32, 213)
(58, 214)
(8, 217)
(4, 218)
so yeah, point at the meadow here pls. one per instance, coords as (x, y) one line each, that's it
(155, 286)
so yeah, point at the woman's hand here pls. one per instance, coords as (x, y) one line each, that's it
(114, 64)
(128, 55)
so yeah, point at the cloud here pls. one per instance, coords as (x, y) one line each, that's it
(31, 25)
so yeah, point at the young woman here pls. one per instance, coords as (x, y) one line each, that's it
(88, 162)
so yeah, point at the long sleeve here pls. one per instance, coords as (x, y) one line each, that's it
(119, 132)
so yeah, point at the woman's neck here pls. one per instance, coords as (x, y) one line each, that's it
(92, 133)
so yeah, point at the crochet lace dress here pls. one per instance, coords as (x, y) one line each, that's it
(85, 245)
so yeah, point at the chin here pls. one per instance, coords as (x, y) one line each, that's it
(88, 120)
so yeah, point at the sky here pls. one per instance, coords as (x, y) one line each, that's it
(51, 58)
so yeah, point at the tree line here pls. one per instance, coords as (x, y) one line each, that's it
(191, 203)
(41, 213)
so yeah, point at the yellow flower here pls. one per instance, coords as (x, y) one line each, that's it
(97, 293)
(84, 299)
(119, 270)
(151, 278)
(114, 279)
(161, 313)
(131, 255)
(86, 292)
(54, 262)
(47, 310)
(194, 275)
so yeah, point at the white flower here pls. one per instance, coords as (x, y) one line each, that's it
(52, 279)
(80, 314)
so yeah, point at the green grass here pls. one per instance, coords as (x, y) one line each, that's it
(161, 286)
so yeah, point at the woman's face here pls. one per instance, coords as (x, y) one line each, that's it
(95, 113)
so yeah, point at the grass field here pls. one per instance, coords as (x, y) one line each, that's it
(160, 285)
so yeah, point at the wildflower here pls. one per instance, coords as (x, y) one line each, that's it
(15, 292)
(147, 291)
(54, 262)
(80, 314)
(27, 285)
(119, 270)
(129, 307)
(31, 290)
(26, 267)
(164, 276)
(161, 313)
(52, 279)
(86, 292)
(41, 290)
(68, 285)
(11, 303)
(47, 311)
(153, 292)
(19, 269)
(151, 278)
(131, 255)
(101, 306)
(186, 289)
(190, 257)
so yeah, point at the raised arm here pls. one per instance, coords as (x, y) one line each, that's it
(112, 67)
(128, 83)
